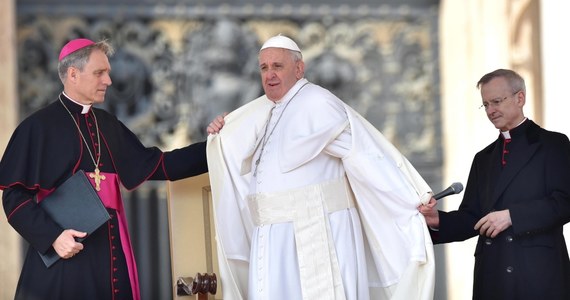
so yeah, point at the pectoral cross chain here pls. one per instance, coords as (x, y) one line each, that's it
(98, 177)
(256, 164)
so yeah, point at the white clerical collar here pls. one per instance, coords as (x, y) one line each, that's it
(86, 107)
(507, 134)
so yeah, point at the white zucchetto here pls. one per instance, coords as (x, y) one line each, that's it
(280, 41)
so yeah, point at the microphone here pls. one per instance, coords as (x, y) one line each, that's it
(454, 188)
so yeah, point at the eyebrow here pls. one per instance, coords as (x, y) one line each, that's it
(495, 99)
(102, 70)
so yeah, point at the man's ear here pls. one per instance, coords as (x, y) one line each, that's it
(72, 73)
(521, 98)
(300, 70)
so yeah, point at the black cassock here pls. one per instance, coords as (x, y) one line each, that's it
(43, 152)
(528, 260)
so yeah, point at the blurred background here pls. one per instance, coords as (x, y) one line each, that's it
(409, 66)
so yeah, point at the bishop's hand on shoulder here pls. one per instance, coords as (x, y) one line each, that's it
(216, 124)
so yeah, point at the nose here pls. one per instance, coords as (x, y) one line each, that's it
(490, 109)
(490, 112)
(270, 75)
(107, 80)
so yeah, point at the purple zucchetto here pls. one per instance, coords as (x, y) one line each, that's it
(73, 46)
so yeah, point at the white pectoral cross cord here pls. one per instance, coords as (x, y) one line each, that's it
(266, 136)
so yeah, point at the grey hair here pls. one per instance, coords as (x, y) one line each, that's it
(297, 56)
(515, 81)
(79, 58)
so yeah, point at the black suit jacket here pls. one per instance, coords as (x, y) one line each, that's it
(529, 260)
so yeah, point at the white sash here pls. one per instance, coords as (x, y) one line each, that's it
(309, 208)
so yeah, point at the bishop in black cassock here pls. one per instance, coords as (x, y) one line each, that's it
(46, 149)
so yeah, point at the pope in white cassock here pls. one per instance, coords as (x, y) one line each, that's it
(310, 200)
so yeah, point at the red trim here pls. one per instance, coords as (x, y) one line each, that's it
(16, 209)
(76, 167)
(33, 188)
(160, 161)
(80, 153)
(91, 137)
(111, 260)
(164, 167)
(36, 186)
(505, 151)
(110, 155)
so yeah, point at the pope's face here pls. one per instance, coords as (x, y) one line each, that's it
(279, 72)
(90, 84)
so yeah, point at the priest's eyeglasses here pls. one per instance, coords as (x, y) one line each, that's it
(496, 102)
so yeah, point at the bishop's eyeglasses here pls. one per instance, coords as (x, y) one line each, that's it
(496, 102)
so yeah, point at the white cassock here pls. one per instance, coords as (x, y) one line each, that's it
(329, 212)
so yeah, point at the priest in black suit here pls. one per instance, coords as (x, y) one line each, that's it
(517, 200)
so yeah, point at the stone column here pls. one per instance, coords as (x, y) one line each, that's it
(10, 246)
(555, 62)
